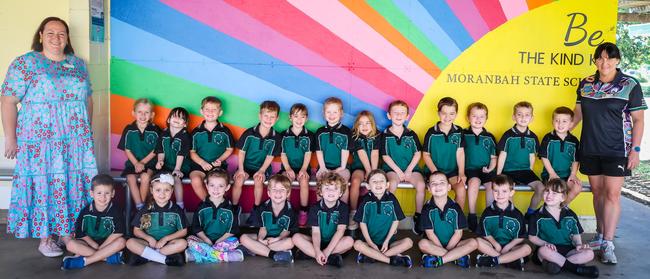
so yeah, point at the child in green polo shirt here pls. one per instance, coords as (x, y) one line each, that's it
(173, 150)
(297, 145)
(333, 141)
(502, 229)
(276, 221)
(399, 148)
(480, 159)
(517, 148)
(443, 222)
(444, 148)
(215, 224)
(159, 228)
(138, 141)
(365, 158)
(98, 230)
(257, 147)
(212, 144)
(378, 217)
(328, 219)
(559, 153)
(556, 230)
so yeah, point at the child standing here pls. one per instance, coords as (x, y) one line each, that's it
(257, 147)
(443, 222)
(173, 149)
(328, 220)
(365, 158)
(98, 230)
(159, 227)
(276, 222)
(517, 148)
(215, 224)
(480, 159)
(379, 215)
(559, 153)
(138, 141)
(444, 148)
(556, 230)
(212, 144)
(399, 148)
(297, 145)
(502, 229)
(333, 141)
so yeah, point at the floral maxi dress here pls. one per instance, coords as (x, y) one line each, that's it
(55, 161)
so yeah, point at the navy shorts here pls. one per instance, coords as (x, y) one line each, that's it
(604, 165)
(484, 177)
(522, 177)
(196, 167)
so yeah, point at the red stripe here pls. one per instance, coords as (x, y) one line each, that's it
(491, 12)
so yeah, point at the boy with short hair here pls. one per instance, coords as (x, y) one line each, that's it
(559, 153)
(212, 144)
(517, 148)
(276, 221)
(556, 230)
(98, 230)
(502, 229)
(257, 146)
(443, 222)
(328, 220)
(333, 141)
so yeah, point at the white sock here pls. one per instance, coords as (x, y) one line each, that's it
(153, 255)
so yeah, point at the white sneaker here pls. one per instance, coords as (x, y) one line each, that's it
(353, 225)
(596, 242)
(50, 249)
(607, 253)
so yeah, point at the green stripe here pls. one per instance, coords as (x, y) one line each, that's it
(400, 22)
(134, 81)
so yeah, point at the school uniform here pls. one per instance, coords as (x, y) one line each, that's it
(443, 148)
(332, 140)
(518, 146)
(561, 153)
(159, 222)
(479, 150)
(211, 144)
(174, 146)
(367, 144)
(444, 222)
(379, 215)
(215, 220)
(400, 149)
(99, 225)
(295, 146)
(557, 232)
(140, 144)
(257, 148)
(504, 225)
(263, 216)
(327, 219)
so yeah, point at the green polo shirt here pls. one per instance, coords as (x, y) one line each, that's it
(367, 144)
(503, 225)
(518, 146)
(400, 149)
(140, 143)
(443, 147)
(257, 147)
(479, 149)
(285, 221)
(209, 145)
(98, 225)
(295, 146)
(159, 222)
(173, 146)
(557, 232)
(332, 140)
(328, 219)
(561, 153)
(379, 215)
(215, 221)
(444, 222)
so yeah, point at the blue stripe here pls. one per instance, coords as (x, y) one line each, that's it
(441, 13)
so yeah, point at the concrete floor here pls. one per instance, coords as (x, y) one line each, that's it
(20, 259)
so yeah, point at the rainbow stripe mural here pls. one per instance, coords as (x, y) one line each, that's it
(367, 53)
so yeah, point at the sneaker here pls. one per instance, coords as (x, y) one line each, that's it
(485, 261)
(401, 261)
(245, 251)
(73, 263)
(607, 253)
(335, 260)
(463, 261)
(587, 271)
(429, 261)
(115, 258)
(352, 225)
(416, 224)
(551, 267)
(516, 264)
(133, 259)
(361, 258)
(302, 218)
(283, 256)
(50, 249)
(472, 222)
(596, 241)
(177, 259)
(234, 256)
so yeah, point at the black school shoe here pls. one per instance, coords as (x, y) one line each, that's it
(587, 271)
(417, 228)
(335, 260)
(177, 259)
(472, 222)
(551, 267)
(517, 264)
(133, 259)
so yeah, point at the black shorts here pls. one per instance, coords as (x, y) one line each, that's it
(545, 179)
(604, 165)
(484, 177)
(427, 174)
(196, 167)
(98, 241)
(522, 177)
(130, 169)
(562, 249)
(267, 173)
(169, 170)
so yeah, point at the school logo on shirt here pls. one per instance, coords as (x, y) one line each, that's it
(339, 142)
(283, 223)
(455, 139)
(510, 226)
(176, 146)
(151, 138)
(486, 144)
(530, 145)
(224, 218)
(570, 224)
(304, 144)
(268, 146)
(218, 138)
(387, 208)
(450, 217)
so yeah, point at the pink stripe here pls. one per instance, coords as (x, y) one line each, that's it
(513, 8)
(491, 12)
(244, 28)
(470, 17)
(345, 24)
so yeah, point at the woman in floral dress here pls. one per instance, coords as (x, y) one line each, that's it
(50, 137)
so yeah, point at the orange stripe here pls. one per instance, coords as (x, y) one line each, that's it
(533, 4)
(383, 27)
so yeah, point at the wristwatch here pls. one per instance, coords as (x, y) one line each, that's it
(637, 148)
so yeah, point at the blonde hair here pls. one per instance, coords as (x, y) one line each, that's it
(142, 101)
(355, 130)
(330, 178)
(282, 179)
(333, 100)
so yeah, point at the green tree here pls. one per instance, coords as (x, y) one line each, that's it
(635, 51)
